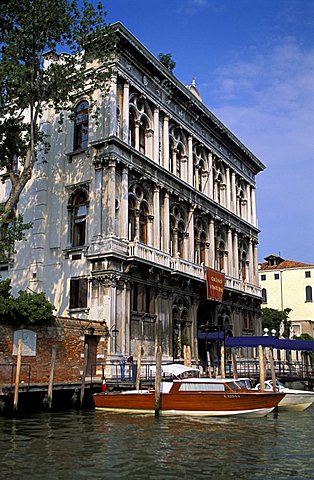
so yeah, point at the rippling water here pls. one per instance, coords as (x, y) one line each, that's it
(97, 445)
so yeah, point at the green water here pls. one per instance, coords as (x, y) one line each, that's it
(96, 445)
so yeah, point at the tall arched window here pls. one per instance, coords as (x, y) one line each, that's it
(264, 295)
(143, 223)
(81, 126)
(308, 294)
(138, 213)
(78, 208)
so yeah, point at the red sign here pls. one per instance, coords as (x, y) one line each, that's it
(215, 282)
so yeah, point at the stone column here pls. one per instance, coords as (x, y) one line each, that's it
(210, 188)
(230, 253)
(156, 201)
(166, 224)
(184, 167)
(98, 205)
(124, 203)
(190, 161)
(156, 135)
(255, 265)
(248, 204)
(125, 113)
(228, 189)
(137, 135)
(110, 198)
(113, 121)
(253, 207)
(165, 146)
(251, 262)
(150, 237)
(234, 193)
(236, 255)
(190, 240)
(212, 242)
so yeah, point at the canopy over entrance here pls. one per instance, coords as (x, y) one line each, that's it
(265, 341)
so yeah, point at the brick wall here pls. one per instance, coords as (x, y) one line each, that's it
(68, 336)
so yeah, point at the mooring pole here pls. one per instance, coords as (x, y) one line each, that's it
(17, 374)
(209, 367)
(84, 374)
(138, 371)
(272, 368)
(158, 380)
(222, 361)
(261, 368)
(234, 364)
(52, 369)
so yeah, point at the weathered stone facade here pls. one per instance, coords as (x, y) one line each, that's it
(127, 214)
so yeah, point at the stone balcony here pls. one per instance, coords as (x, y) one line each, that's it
(141, 252)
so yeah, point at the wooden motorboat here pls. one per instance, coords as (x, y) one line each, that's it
(185, 393)
(294, 399)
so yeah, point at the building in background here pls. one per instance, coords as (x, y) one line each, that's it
(128, 213)
(289, 284)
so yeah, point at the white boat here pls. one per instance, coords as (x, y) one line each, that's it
(298, 400)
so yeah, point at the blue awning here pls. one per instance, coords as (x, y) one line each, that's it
(266, 341)
(210, 336)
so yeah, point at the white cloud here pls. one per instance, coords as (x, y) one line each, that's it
(268, 102)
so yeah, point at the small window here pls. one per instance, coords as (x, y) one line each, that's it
(276, 276)
(263, 277)
(307, 274)
(264, 295)
(308, 294)
(78, 293)
(81, 126)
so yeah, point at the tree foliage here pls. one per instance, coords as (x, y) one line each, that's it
(35, 75)
(166, 60)
(278, 320)
(26, 309)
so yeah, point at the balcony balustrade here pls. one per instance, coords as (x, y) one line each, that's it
(151, 255)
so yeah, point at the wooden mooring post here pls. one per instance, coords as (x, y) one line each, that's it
(52, 369)
(222, 361)
(138, 371)
(272, 368)
(158, 380)
(234, 364)
(17, 374)
(262, 376)
(84, 374)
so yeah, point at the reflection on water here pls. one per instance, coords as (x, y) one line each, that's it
(98, 445)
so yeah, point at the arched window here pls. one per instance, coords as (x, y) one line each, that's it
(78, 218)
(132, 129)
(308, 294)
(264, 295)
(143, 223)
(81, 126)
(142, 136)
(138, 213)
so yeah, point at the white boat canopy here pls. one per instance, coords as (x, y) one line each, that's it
(176, 369)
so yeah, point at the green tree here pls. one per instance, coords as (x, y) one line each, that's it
(166, 60)
(29, 31)
(26, 309)
(277, 319)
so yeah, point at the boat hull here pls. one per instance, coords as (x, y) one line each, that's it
(194, 404)
(297, 401)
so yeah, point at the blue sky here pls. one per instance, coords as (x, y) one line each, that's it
(253, 61)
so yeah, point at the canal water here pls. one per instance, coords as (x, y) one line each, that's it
(96, 445)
